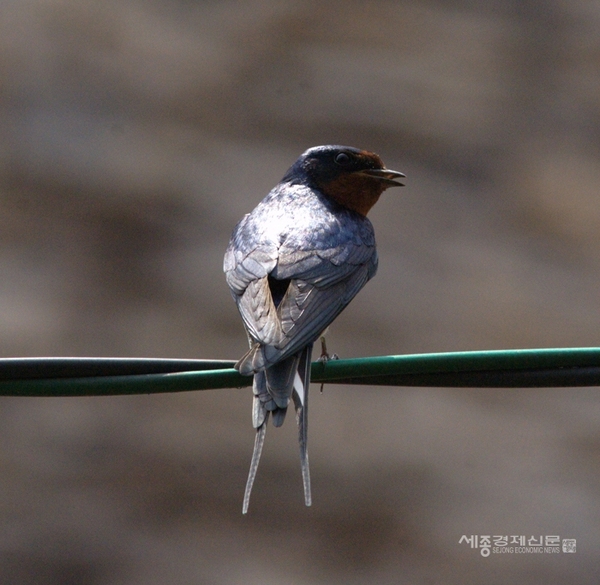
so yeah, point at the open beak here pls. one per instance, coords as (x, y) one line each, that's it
(386, 176)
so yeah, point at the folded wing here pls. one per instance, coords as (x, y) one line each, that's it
(322, 283)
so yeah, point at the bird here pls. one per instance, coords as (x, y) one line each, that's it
(292, 265)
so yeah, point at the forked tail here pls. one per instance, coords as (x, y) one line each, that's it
(260, 416)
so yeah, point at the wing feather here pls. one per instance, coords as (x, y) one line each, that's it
(304, 313)
(259, 313)
(325, 274)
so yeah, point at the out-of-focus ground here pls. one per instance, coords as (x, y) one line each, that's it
(133, 136)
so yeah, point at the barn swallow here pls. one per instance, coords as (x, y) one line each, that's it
(293, 264)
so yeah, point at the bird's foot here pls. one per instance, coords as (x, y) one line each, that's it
(325, 356)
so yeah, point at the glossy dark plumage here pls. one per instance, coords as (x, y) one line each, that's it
(293, 264)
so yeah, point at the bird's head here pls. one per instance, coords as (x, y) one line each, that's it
(353, 178)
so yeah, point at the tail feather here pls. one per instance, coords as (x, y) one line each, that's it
(259, 441)
(272, 389)
(300, 396)
(280, 380)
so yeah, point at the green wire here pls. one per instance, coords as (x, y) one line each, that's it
(110, 376)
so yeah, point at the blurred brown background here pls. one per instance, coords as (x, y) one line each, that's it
(135, 134)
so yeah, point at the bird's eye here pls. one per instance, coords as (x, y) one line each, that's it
(342, 158)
